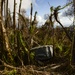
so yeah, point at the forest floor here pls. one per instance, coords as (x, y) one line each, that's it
(49, 69)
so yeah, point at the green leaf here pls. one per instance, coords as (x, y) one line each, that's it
(22, 42)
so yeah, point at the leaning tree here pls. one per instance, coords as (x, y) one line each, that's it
(4, 36)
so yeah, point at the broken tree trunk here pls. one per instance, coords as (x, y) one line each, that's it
(4, 35)
(73, 42)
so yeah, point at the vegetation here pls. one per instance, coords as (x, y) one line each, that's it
(17, 37)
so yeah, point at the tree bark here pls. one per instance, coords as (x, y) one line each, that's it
(6, 17)
(4, 35)
(14, 22)
(73, 42)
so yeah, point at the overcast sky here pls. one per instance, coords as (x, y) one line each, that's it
(42, 7)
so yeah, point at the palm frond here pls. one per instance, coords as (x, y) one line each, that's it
(66, 5)
(22, 18)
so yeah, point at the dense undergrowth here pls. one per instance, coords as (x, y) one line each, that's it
(16, 40)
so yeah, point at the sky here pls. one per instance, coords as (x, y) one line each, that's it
(43, 7)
